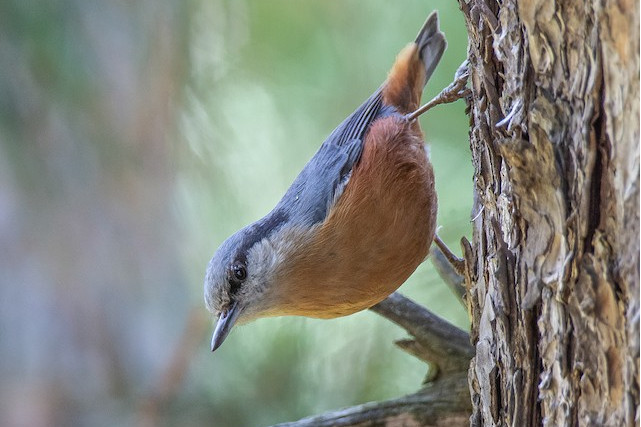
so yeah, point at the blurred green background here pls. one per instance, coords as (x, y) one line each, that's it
(135, 136)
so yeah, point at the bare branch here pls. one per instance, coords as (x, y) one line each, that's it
(445, 402)
(440, 342)
(448, 272)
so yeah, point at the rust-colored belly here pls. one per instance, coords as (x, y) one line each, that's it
(377, 234)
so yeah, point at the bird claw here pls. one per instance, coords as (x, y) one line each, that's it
(453, 92)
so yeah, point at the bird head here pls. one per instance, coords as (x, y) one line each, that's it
(246, 277)
(236, 281)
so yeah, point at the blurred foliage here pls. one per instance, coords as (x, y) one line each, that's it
(134, 138)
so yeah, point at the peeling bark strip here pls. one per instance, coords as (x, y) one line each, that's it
(553, 283)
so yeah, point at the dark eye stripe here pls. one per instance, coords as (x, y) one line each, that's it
(234, 287)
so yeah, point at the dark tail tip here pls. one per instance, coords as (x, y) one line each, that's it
(431, 44)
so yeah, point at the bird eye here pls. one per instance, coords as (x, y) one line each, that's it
(240, 272)
(236, 276)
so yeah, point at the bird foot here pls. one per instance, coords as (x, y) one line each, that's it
(456, 90)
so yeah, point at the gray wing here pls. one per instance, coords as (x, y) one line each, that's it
(323, 179)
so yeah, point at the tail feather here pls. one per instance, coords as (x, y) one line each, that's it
(431, 44)
(414, 66)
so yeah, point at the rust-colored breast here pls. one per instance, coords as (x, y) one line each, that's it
(376, 235)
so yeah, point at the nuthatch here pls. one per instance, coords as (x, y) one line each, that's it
(356, 222)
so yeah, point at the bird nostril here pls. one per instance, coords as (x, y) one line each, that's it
(224, 313)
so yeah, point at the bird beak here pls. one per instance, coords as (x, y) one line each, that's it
(225, 322)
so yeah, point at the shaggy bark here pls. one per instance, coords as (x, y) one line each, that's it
(553, 285)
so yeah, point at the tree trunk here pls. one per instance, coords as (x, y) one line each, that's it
(553, 269)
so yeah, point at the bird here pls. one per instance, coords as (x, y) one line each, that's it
(355, 223)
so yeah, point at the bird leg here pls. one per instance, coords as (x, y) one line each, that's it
(455, 91)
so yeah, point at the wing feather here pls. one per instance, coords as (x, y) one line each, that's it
(322, 180)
